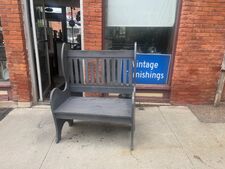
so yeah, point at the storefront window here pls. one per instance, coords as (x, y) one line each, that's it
(148, 22)
(4, 74)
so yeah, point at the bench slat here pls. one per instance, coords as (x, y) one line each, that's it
(76, 65)
(124, 71)
(119, 65)
(108, 71)
(81, 71)
(86, 70)
(103, 71)
(101, 54)
(71, 71)
(102, 89)
(92, 73)
(97, 71)
(113, 71)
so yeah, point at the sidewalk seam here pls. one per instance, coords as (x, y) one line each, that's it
(46, 154)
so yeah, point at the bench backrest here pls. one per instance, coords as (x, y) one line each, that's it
(106, 71)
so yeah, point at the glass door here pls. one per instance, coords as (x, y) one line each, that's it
(41, 47)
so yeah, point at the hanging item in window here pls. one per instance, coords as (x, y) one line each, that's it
(74, 23)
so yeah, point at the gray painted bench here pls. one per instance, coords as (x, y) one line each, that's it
(99, 72)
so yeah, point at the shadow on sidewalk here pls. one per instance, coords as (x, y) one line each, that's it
(4, 112)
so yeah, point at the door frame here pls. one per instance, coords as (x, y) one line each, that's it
(36, 50)
(30, 49)
(34, 62)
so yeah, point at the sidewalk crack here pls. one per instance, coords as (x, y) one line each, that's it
(46, 154)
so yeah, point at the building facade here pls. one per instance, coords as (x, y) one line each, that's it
(197, 48)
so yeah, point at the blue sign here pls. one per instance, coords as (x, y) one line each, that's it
(152, 68)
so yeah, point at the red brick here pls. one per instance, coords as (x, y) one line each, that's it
(13, 32)
(199, 53)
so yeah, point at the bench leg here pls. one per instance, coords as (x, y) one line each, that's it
(132, 138)
(58, 125)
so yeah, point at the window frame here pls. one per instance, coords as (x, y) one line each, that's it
(164, 87)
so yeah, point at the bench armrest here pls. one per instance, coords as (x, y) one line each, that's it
(57, 97)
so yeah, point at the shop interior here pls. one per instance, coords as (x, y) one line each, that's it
(149, 39)
(56, 22)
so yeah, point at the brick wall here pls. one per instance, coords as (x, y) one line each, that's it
(199, 53)
(93, 24)
(11, 17)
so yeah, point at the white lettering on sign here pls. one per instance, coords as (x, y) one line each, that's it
(150, 75)
(150, 65)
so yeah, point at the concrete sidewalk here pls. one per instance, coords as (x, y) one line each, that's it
(166, 137)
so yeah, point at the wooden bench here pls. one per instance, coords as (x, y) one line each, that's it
(102, 72)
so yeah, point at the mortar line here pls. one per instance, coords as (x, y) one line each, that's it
(176, 137)
(46, 154)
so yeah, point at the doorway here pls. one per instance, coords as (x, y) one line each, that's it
(54, 22)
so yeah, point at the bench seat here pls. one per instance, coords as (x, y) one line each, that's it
(100, 106)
